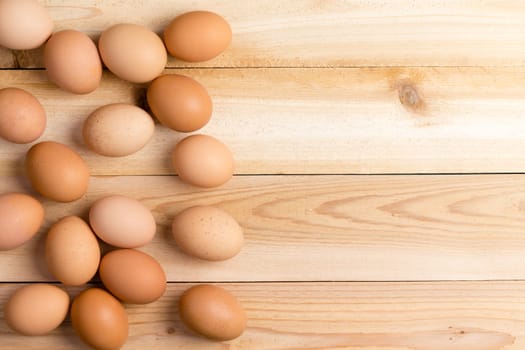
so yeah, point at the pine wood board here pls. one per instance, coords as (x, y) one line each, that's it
(312, 33)
(367, 316)
(313, 97)
(323, 228)
(317, 121)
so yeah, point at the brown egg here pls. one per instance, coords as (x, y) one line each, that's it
(132, 276)
(22, 117)
(36, 309)
(118, 129)
(72, 62)
(24, 24)
(179, 102)
(99, 319)
(122, 221)
(202, 160)
(207, 233)
(132, 52)
(72, 251)
(56, 171)
(20, 219)
(213, 312)
(197, 36)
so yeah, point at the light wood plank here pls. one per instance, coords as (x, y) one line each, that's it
(314, 121)
(329, 228)
(367, 316)
(323, 33)
(333, 119)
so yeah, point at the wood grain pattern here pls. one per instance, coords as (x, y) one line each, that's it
(367, 316)
(326, 228)
(313, 97)
(323, 33)
(315, 121)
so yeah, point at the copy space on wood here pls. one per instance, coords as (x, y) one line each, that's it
(313, 33)
(421, 316)
(323, 228)
(316, 121)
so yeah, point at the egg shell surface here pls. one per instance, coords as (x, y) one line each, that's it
(21, 216)
(72, 251)
(72, 62)
(132, 276)
(132, 52)
(208, 233)
(213, 312)
(122, 221)
(22, 117)
(99, 319)
(36, 309)
(56, 171)
(197, 36)
(24, 24)
(202, 161)
(118, 129)
(179, 102)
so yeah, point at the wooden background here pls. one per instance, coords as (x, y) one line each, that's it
(380, 152)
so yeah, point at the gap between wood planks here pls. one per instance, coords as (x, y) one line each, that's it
(99, 283)
(306, 67)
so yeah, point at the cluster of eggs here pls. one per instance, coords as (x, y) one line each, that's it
(73, 255)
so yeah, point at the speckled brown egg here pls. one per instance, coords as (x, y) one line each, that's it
(197, 36)
(72, 62)
(122, 221)
(132, 52)
(118, 129)
(20, 219)
(203, 161)
(179, 102)
(36, 309)
(22, 117)
(132, 276)
(99, 319)
(207, 233)
(72, 251)
(24, 24)
(213, 312)
(56, 171)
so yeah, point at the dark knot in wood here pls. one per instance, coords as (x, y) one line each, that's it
(409, 97)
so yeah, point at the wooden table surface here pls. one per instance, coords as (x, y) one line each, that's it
(380, 173)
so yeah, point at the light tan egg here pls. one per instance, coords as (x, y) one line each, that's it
(36, 309)
(24, 24)
(99, 319)
(197, 36)
(207, 233)
(118, 129)
(56, 171)
(132, 52)
(72, 251)
(203, 161)
(213, 312)
(20, 219)
(22, 117)
(179, 102)
(122, 221)
(132, 276)
(72, 62)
